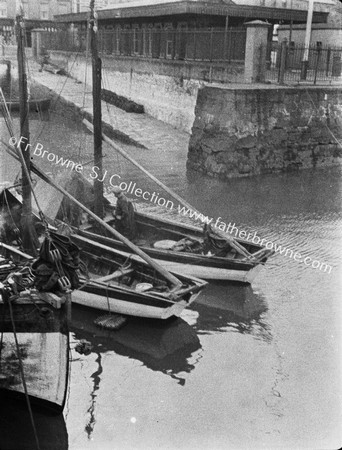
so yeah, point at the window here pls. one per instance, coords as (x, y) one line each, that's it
(25, 7)
(169, 36)
(63, 8)
(117, 40)
(149, 42)
(44, 10)
(169, 47)
(135, 41)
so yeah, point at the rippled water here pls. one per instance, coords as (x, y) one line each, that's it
(245, 367)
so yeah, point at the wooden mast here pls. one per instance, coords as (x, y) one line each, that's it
(28, 233)
(97, 115)
(158, 268)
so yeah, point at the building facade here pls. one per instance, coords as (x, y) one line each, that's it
(192, 30)
(319, 5)
(37, 13)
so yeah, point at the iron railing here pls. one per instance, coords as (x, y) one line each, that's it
(285, 64)
(200, 45)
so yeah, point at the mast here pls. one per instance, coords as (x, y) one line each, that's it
(97, 115)
(305, 61)
(29, 237)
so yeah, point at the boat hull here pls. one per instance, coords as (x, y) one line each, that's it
(43, 341)
(129, 307)
(117, 297)
(193, 265)
(34, 342)
(212, 273)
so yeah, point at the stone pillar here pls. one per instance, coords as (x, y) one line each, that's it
(256, 46)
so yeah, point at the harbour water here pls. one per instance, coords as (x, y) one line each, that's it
(245, 367)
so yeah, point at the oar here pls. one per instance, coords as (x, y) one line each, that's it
(236, 245)
(173, 280)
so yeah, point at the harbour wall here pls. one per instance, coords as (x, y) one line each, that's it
(168, 94)
(249, 131)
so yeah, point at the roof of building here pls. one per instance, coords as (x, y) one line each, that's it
(314, 26)
(196, 8)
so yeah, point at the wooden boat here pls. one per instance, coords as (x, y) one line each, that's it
(37, 105)
(34, 356)
(184, 248)
(178, 247)
(123, 283)
(138, 290)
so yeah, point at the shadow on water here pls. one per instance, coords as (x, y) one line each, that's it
(163, 346)
(16, 430)
(223, 308)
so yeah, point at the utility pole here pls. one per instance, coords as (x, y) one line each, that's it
(28, 233)
(305, 61)
(97, 116)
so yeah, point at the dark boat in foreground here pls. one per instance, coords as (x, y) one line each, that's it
(17, 432)
(34, 356)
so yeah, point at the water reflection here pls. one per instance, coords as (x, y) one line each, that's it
(171, 347)
(96, 386)
(163, 346)
(224, 307)
(16, 430)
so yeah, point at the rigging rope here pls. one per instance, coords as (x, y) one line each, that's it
(59, 93)
(325, 124)
(18, 151)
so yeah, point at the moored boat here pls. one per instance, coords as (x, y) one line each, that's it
(123, 283)
(34, 354)
(186, 248)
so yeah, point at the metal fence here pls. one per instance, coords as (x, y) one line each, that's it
(285, 64)
(200, 45)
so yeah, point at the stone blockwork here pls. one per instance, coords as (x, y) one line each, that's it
(165, 94)
(241, 132)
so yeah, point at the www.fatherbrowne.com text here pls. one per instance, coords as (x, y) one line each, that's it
(154, 197)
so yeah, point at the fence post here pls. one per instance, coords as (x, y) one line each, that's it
(328, 62)
(211, 44)
(283, 52)
(225, 39)
(257, 32)
(317, 63)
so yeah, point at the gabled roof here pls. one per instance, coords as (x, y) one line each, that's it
(196, 8)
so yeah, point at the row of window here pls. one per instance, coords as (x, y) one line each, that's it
(162, 43)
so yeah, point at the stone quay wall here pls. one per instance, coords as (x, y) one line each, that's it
(166, 89)
(242, 132)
